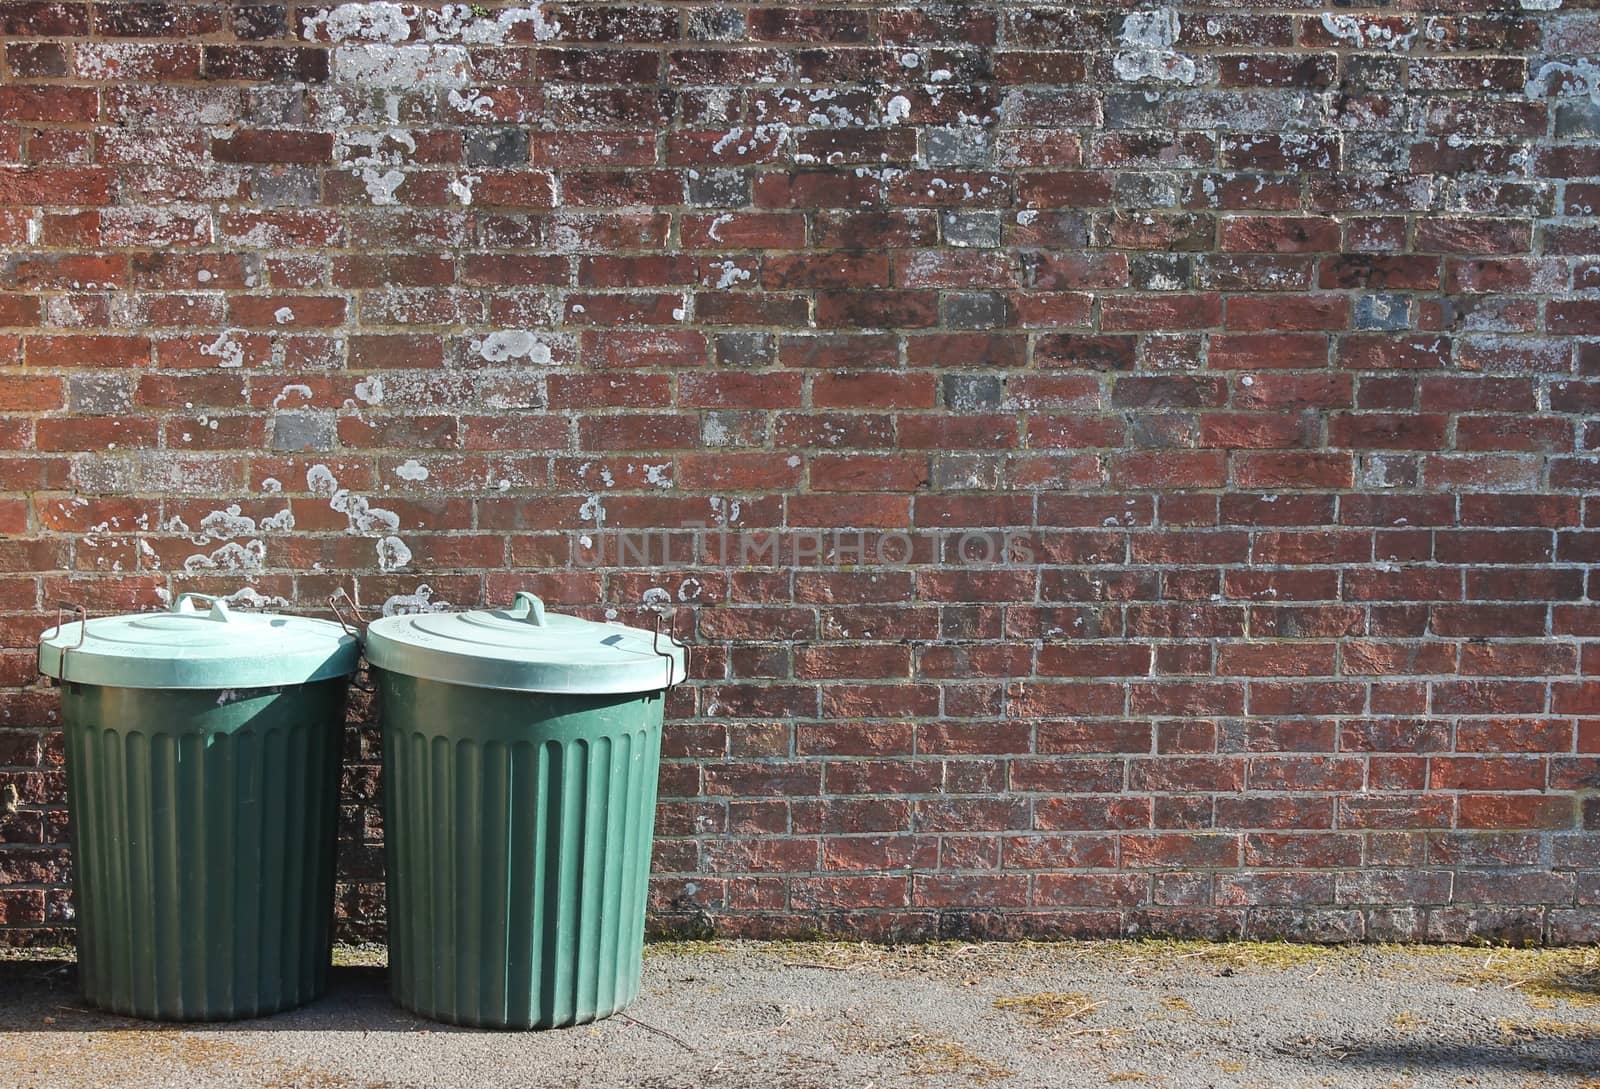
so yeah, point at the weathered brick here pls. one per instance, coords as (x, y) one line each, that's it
(1151, 477)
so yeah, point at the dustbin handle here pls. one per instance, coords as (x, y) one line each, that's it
(185, 604)
(527, 607)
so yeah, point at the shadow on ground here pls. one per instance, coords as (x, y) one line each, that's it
(42, 996)
(720, 1015)
(1459, 1059)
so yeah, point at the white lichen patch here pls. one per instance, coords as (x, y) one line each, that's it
(462, 187)
(225, 525)
(513, 344)
(250, 598)
(282, 522)
(1365, 33)
(418, 601)
(228, 352)
(412, 470)
(403, 67)
(725, 512)
(249, 558)
(1147, 40)
(294, 389)
(896, 110)
(730, 273)
(1556, 79)
(370, 389)
(363, 518)
(364, 22)
(470, 23)
(321, 481)
(474, 103)
(381, 147)
(381, 188)
(392, 554)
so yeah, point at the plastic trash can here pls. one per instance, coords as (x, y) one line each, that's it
(520, 754)
(203, 755)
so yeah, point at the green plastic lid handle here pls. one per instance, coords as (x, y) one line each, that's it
(185, 604)
(527, 607)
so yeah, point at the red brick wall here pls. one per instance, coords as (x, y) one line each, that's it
(1268, 338)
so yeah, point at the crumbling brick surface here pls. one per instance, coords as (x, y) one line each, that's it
(1120, 470)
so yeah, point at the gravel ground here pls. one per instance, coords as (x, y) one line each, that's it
(736, 1015)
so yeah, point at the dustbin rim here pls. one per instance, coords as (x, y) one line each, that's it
(186, 647)
(523, 648)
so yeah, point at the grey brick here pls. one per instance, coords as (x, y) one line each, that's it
(717, 188)
(1161, 271)
(1135, 110)
(733, 428)
(302, 431)
(745, 349)
(974, 310)
(716, 25)
(285, 186)
(967, 228)
(1163, 430)
(1376, 151)
(1578, 120)
(497, 147)
(968, 472)
(972, 392)
(1383, 312)
(1145, 190)
(963, 145)
(100, 394)
(1369, 73)
(256, 22)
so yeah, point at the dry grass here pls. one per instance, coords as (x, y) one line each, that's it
(365, 955)
(951, 1058)
(969, 962)
(37, 952)
(1240, 956)
(1049, 1009)
(686, 948)
(1543, 1028)
(1407, 1022)
(1566, 975)
(924, 1053)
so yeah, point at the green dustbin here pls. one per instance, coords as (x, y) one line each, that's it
(520, 753)
(202, 784)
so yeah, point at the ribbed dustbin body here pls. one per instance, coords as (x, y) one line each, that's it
(517, 838)
(520, 754)
(203, 752)
(203, 830)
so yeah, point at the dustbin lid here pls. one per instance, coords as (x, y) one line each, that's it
(526, 649)
(190, 647)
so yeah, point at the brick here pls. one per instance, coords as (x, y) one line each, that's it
(87, 351)
(1171, 511)
(265, 63)
(265, 146)
(23, 185)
